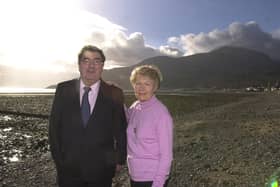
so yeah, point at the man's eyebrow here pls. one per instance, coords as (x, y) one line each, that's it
(87, 58)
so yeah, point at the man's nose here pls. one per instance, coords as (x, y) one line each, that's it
(92, 65)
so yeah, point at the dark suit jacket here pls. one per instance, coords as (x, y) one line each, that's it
(90, 152)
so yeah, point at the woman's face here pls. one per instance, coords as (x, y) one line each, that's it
(144, 87)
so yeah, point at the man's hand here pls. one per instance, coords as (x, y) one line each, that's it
(118, 168)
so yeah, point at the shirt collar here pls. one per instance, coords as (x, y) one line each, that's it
(95, 86)
(148, 103)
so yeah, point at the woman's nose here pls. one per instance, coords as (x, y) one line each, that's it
(141, 87)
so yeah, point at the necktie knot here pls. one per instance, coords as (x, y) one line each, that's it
(87, 89)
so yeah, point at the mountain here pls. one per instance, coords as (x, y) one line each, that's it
(226, 67)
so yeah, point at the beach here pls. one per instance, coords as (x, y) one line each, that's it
(220, 140)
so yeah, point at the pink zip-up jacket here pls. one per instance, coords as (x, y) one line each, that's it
(150, 140)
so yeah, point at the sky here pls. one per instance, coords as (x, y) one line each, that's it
(40, 39)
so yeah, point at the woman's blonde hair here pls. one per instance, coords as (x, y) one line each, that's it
(150, 71)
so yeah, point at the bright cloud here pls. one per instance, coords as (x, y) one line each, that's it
(123, 50)
(248, 35)
(170, 51)
(42, 34)
(48, 35)
(129, 50)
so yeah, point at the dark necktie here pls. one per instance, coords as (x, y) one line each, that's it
(85, 107)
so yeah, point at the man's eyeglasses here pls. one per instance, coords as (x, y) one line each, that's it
(96, 61)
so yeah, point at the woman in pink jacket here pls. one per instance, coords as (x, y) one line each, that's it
(149, 132)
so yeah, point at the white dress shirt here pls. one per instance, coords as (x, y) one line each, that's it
(92, 95)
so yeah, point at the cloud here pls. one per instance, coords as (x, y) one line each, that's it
(129, 50)
(46, 37)
(248, 35)
(39, 34)
(170, 51)
(123, 50)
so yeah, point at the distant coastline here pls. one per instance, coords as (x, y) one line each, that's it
(26, 91)
(13, 91)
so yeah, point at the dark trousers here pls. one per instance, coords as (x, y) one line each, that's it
(144, 183)
(77, 182)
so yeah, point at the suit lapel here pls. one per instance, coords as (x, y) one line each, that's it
(76, 100)
(76, 97)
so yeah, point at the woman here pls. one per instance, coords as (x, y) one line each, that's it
(149, 132)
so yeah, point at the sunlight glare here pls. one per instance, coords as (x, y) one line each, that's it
(35, 33)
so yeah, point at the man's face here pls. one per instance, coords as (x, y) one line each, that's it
(90, 67)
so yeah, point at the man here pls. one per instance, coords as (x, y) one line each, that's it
(87, 127)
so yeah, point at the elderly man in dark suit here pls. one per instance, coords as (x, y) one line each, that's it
(87, 127)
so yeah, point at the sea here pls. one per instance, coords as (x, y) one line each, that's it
(26, 91)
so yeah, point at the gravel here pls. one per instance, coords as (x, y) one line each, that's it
(233, 145)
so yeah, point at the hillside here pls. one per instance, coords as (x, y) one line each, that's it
(226, 67)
